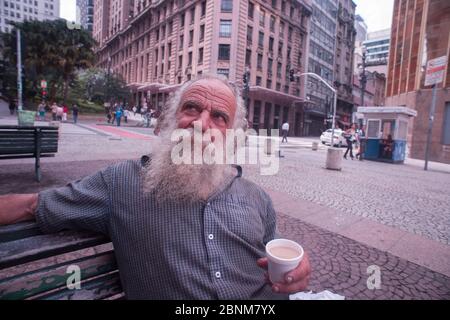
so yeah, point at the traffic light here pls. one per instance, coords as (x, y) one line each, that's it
(291, 75)
(246, 79)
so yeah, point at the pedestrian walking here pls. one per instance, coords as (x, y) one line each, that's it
(349, 136)
(361, 143)
(59, 113)
(65, 112)
(41, 111)
(285, 131)
(12, 106)
(75, 112)
(54, 111)
(125, 115)
(118, 115)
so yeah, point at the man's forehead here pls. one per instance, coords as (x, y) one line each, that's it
(210, 89)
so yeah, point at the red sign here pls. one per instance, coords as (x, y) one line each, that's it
(435, 71)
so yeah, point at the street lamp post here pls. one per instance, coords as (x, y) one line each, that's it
(335, 98)
(334, 107)
(363, 78)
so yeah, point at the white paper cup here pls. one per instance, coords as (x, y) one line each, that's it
(278, 266)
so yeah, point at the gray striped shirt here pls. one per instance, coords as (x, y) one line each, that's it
(203, 250)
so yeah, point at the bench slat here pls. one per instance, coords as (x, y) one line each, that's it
(42, 246)
(19, 231)
(99, 288)
(54, 277)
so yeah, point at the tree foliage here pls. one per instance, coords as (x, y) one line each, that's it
(50, 51)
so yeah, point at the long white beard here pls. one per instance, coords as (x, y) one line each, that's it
(182, 182)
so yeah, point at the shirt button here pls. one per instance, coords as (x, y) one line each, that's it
(218, 274)
(211, 236)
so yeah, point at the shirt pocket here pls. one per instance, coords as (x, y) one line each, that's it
(243, 219)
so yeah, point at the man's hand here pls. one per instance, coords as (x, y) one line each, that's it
(17, 207)
(295, 281)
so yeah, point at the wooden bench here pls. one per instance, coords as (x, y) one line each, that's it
(36, 266)
(17, 142)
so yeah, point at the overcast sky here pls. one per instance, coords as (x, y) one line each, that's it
(376, 13)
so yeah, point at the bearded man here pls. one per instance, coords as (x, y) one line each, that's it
(180, 231)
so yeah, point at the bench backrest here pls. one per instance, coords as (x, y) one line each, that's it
(37, 266)
(22, 140)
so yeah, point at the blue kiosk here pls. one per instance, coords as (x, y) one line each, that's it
(386, 132)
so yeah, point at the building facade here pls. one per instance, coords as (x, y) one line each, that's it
(20, 10)
(361, 36)
(377, 50)
(85, 14)
(331, 49)
(158, 45)
(420, 32)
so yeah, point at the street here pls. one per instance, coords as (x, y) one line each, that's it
(394, 217)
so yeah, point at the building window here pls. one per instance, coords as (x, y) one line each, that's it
(191, 37)
(271, 44)
(226, 6)
(251, 10)
(200, 56)
(290, 34)
(182, 17)
(283, 6)
(274, 4)
(262, 18)
(259, 62)
(279, 66)
(258, 81)
(190, 59)
(269, 67)
(180, 62)
(203, 8)
(291, 14)
(272, 23)
(248, 57)
(202, 32)
(225, 72)
(249, 35)
(224, 52)
(269, 84)
(280, 49)
(181, 42)
(225, 28)
(261, 39)
(192, 15)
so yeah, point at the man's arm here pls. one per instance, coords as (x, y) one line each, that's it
(17, 207)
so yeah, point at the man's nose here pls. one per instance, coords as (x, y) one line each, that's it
(205, 120)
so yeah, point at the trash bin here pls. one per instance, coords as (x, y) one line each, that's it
(26, 118)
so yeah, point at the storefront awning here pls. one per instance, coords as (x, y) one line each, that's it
(151, 86)
(262, 93)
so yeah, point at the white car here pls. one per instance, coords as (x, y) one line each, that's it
(339, 140)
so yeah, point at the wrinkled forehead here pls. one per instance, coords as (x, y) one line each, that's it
(211, 91)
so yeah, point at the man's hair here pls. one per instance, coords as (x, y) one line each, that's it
(168, 115)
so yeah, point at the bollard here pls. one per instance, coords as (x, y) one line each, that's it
(268, 146)
(334, 158)
(315, 146)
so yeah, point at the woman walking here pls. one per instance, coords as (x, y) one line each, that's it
(349, 136)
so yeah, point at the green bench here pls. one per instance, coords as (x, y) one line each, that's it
(17, 142)
(36, 266)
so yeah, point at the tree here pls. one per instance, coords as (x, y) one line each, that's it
(51, 51)
(94, 83)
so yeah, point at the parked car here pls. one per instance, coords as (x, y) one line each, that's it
(339, 140)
